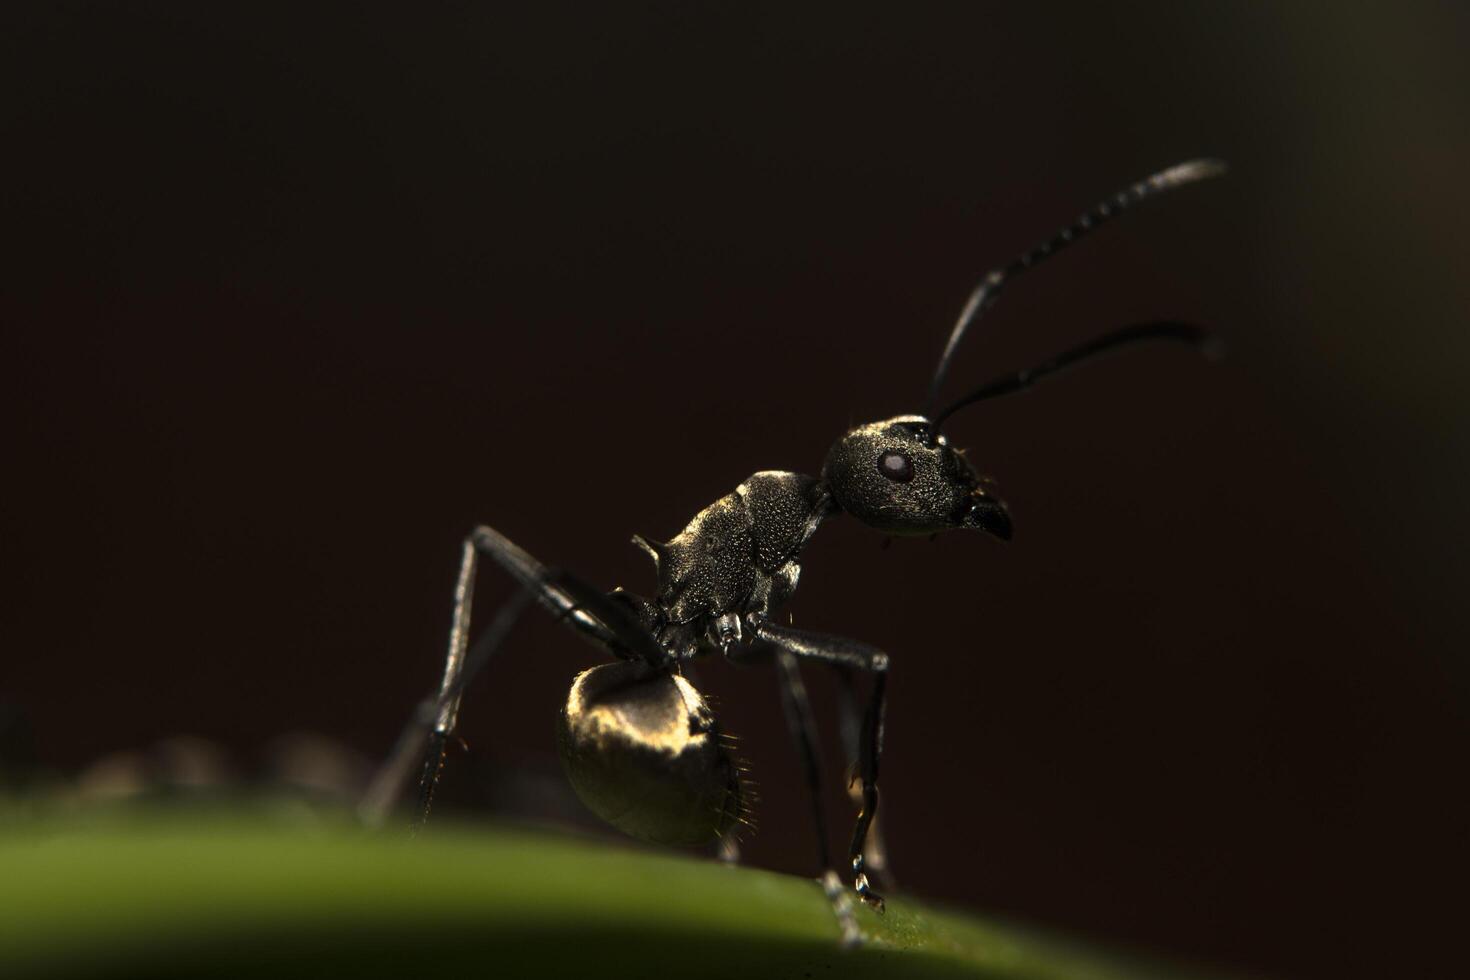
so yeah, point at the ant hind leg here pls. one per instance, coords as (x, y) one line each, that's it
(614, 626)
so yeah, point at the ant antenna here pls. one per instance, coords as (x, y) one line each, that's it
(989, 288)
(1010, 384)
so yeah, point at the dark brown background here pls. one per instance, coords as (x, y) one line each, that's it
(291, 300)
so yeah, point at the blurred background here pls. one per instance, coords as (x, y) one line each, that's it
(294, 297)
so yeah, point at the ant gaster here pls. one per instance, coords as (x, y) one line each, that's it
(639, 743)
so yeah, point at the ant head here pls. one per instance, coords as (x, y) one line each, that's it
(901, 476)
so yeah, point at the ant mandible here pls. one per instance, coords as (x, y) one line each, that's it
(639, 743)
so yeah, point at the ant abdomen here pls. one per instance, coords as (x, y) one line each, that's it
(642, 750)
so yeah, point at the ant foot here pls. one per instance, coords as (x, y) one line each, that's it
(852, 937)
(871, 898)
(865, 892)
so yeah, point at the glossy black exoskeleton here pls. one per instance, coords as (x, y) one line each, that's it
(640, 745)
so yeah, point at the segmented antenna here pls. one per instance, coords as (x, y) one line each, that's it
(1018, 381)
(989, 288)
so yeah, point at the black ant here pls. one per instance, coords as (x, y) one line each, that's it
(639, 743)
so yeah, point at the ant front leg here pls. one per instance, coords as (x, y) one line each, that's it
(603, 621)
(849, 722)
(803, 727)
(850, 653)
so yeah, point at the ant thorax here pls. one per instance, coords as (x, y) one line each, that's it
(737, 556)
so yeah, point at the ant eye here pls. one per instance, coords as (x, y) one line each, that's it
(896, 466)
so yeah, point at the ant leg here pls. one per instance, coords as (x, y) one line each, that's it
(604, 621)
(425, 737)
(803, 726)
(804, 732)
(849, 724)
(611, 625)
(850, 653)
(869, 751)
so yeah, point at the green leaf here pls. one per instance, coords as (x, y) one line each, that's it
(188, 896)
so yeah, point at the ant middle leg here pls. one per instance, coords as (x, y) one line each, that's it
(850, 653)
